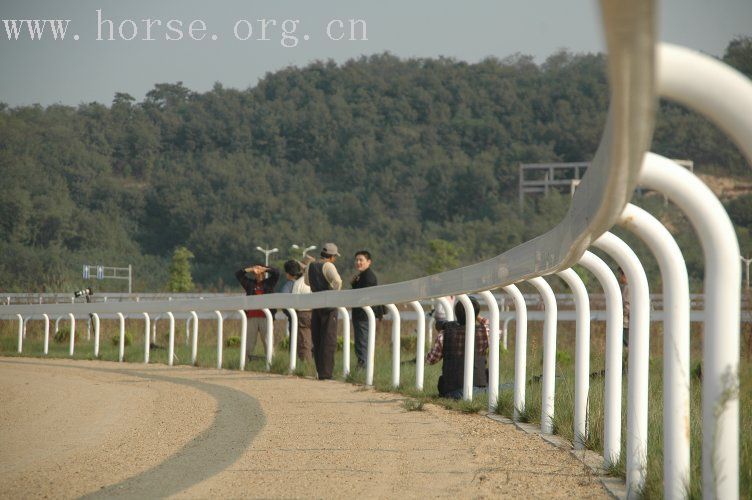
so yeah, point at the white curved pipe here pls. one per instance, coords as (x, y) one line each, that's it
(147, 337)
(346, 341)
(548, 377)
(447, 306)
(154, 328)
(493, 349)
(95, 317)
(269, 338)
(505, 334)
(188, 330)
(713, 88)
(431, 324)
(171, 339)
(420, 345)
(467, 379)
(581, 357)
(371, 353)
(395, 344)
(520, 350)
(72, 333)
(293, 338)
(243, 338)
(194, 337)
(46, 333)
(637, 378)
(20, 332)
(220, 334)
(676, 429)
(121, 344)
(614, 333)
(720, 387)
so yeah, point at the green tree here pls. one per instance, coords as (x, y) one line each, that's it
(443, 256)
(180, 271)
(739, 54)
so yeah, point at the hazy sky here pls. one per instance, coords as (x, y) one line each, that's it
(87, 69)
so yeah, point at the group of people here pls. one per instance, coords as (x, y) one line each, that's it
(317, 328)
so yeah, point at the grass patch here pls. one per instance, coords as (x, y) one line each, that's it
(413, 404)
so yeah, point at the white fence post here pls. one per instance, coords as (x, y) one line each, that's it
(447, 306)
(171, 339)
(220, 345)
(638, 360)
(243, 338)
(520, 350)
(370, 358)
(46, 333)
(676, 428)
(269, 338)
(121, 351)
(493, 350)
(72, 333)
(147, 337)
(505, 334)
(395, 344)
(614, 332)
(95, 317)
(420, 345)
(20, 332)
(720, 387)
(548, 377)
(293, 338)
(581, 357)
(194, 338)
(345, 341)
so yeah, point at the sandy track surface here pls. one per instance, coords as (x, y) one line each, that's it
(99, 429)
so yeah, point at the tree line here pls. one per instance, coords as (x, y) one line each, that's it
(415, 160)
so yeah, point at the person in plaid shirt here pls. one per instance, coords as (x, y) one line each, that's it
(450, 346)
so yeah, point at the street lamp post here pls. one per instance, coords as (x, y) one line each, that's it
(267, 252)
(747, 262)
(304, 249)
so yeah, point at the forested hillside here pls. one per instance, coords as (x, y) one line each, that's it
(377, 153)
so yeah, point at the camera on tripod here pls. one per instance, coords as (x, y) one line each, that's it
(82, 293)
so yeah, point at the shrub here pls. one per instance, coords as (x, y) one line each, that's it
(413, 404)
(128, 339)
(62, 335)
(233, 341)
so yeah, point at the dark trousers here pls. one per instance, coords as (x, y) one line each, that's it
(324, 336)
(360, 328)
(305, 345)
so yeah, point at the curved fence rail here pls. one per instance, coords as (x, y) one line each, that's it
(638, 70)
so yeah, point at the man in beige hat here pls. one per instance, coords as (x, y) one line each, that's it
(322, 276)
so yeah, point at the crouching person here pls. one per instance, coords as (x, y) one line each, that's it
(450, 346)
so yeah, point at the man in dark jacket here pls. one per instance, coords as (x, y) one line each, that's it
(450, 345)
(262, 280)
(365, 278)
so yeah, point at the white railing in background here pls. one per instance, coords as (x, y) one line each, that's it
(636, 68)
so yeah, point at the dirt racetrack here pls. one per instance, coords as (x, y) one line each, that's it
(101, 429)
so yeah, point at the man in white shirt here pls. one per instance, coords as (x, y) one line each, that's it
(322, 276)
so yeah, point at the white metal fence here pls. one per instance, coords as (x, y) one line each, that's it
(639, 70)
